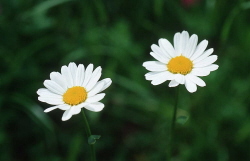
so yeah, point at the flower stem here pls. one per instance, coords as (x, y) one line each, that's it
(172, 130)
(88, 132)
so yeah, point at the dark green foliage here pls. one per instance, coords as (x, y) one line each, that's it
(38, 37)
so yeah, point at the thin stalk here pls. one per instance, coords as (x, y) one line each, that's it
(88, 132)
(172, 130)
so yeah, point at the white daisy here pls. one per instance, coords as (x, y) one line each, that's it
(73, 89)
(181, 64)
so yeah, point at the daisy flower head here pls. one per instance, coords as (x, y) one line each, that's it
(74, 88)
(182, 63)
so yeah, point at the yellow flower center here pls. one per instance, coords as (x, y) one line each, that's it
(180, 65)
(75, 95)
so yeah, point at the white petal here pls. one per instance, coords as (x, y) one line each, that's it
(53, 87)
(67, 75)
(204, 55)
(177, 38)
(95, 107)
(73, 69)
(81, 105)
(196, 80)
(75, 110)
(157, 57)
(173, 83)
(168, 48)
(191, 87)
(211, 67)
(98, 87)
(43, 92)
(191, 46)
(208, 61)
(95, 98)
(62, 107)
(162, 77)
(179, 78)
(200, 49)
(80, 75)
(200, 72)
(50, 109)
(183, 41)
(152, 75)
(67, 114)
(88, 74)
(107, 82)
(154, 66)
(52, 101)
(160, 53)
(59, 79)
(94, 78)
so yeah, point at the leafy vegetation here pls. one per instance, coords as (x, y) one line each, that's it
(38, 37)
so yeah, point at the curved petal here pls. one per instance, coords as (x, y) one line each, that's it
(98, 87)
(167, 47)
(157, 57)
(191, 87)
(52, 101)
(59, 79)
(159, 54)
(73, 68)
(183, 41)
(80, 75)
(208, 61)
(107, 82)
(95, 98)
(95, 107)
(211, 67)
(53, 87)
(173, 83)
(196, 80)
(200, 72)
(204, 55)
(152, 75)
(162, 77)
(177, 38)
(67, 114)
(199, 50)
(67, 75)
(43, 92)
(179, 78)
(88, 74)
(154, 66)
(94, 78)
(62, 107)
(191, 46)
(75, 110)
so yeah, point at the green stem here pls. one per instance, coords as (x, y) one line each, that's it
(172, 130)
(88, 132)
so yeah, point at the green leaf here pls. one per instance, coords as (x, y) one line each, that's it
(92, 139)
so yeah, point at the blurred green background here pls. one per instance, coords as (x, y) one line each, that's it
(39, 36)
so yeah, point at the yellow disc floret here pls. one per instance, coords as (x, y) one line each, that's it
(75, 95)
(180, 65)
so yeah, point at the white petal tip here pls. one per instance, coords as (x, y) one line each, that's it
(109, 81)
(46, 110)
(154, 84)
